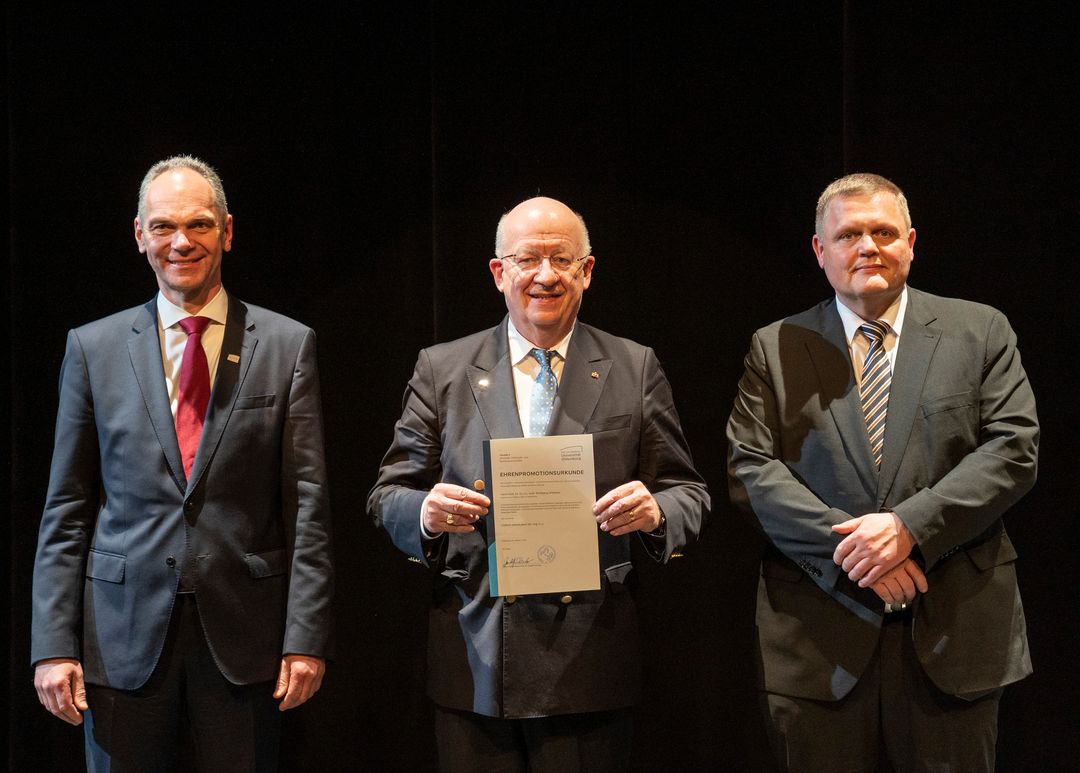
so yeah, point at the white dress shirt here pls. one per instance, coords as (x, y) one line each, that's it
(858, 344)
(526, 368)
(173, 339)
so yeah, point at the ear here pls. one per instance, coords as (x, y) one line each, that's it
(496, 267)
(139, 236)
(911, 242)
(819, 250)
(226, 234)
(586, 272)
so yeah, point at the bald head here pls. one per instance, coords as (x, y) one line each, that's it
(544, 217)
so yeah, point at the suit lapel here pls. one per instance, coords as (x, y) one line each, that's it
(492, 380)
(846, 408)
(144, 349)
(239, 342)
(584, 375)
(916, 349)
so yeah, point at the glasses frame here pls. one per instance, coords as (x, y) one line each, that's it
(569, 270)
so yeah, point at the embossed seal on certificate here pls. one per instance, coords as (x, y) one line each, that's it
(546, 554)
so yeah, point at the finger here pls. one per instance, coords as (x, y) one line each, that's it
(906, 586)
(80, 693)
(847, 526)
(617, 493)
(860, 573)
(283, 679)
(916, 574)
(844, 549)
(457, 493)
(64, 707)
(632, 502)
(872, 573)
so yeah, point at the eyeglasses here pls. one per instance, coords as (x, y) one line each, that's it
(529, 263)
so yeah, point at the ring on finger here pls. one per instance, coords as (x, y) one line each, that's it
(450, 520)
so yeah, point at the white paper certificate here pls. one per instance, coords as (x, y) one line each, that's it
(541, 528)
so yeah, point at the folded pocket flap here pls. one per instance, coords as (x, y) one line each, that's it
(267, 563)
(947, 403)
(618, 575)
(254, 401)
(105, 566)
(607, 423)
(993, 552)
(781, 570)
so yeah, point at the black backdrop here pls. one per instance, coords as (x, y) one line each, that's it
(368, 153)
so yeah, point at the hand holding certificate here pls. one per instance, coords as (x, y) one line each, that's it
(541, 529)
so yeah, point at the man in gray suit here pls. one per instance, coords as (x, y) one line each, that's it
(877, 439)
(540, 682)
(183, 564)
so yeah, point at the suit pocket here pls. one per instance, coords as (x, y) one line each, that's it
(608, 423)
(254, 401)
(947, 403)
(105, 566)
(268, 563)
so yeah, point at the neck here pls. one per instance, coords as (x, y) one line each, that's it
(194, 303)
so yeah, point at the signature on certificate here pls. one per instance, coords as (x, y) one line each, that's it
(517, 561)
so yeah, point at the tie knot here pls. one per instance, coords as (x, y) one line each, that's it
(543, 357)
(195, 325)
(874, 330)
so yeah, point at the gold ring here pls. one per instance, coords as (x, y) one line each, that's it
(630, 514)
(450, 520)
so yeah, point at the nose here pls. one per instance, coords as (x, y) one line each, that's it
(867, 245)
(546, 275)
(180, 241)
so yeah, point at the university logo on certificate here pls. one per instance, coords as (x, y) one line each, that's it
(542, 534)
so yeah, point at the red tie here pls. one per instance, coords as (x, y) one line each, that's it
(194, 391)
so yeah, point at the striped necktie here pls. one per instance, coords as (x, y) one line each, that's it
(874, 387)
(542, 399)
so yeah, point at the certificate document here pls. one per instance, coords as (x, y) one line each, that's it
(541, 528)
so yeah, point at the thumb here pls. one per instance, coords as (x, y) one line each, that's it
(79, 693)
(282, 680)
(847, 526)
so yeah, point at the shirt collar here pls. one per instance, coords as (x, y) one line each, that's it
(169, 313)
(894, 316)
(521, 346)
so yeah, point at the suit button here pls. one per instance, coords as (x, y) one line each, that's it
(511, 599)
(170, 561)
(478, 484)
(566, 599)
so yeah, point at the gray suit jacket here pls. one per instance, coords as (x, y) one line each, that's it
(251, 528)
(536, 656)
(960, 448)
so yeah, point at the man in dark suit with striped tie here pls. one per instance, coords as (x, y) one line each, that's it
(877, 439)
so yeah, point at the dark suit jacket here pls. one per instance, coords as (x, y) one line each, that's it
(121, 522)
(960, 448)
(537, 656)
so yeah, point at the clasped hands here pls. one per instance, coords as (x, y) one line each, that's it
(875, 554)
(626, 508)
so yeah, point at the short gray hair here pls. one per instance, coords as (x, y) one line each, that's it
(500, 235)
(197, 165)
(859, 184)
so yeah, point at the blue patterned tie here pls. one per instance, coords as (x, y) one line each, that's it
(542, 400)
(874, 387)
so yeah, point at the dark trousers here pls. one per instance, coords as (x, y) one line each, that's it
(232, 727)
(596, 742)
(894, 719)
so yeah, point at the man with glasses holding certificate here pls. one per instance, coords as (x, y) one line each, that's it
(541, 681)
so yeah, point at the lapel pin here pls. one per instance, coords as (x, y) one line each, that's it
(594, 374)
(233, 358)
(483, 383)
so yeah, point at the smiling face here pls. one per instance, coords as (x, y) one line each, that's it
(543, 303)
(865, 249)
(183, 238)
